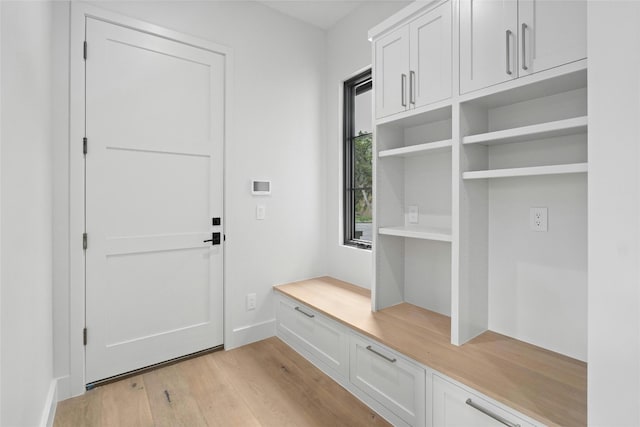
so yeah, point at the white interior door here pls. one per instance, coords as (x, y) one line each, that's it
(154, 170)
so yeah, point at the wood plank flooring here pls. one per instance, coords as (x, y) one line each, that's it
(261, 384)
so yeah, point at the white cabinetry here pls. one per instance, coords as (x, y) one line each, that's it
(501, 40)
(392, 63)
(453, 406)
(305, 329)
(413, 63)
(389, 378)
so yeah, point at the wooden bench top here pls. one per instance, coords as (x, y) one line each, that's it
(544, 385)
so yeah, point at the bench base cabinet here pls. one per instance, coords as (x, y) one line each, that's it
(453, 406)
(303, 327)
(389, 378)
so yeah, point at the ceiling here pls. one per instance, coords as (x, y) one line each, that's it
(320, 13)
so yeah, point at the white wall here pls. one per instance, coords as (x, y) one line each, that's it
(277, 133)
(614, 213)
(348, 51)
(26, 194)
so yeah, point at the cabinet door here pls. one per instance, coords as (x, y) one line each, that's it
(392, 72)
(388, 378)
(325, 339)
(488, 43)
(430, 57)
(452, 407)
(551, 33)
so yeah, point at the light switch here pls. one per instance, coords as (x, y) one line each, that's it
(261, 212)
(413, 214)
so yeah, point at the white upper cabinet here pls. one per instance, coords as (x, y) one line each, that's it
(505, 39)
(551, 33)
(392, 72)
(413, 63)
(488, 43)
(430, 60)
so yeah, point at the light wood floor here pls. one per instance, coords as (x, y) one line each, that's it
(262, 384)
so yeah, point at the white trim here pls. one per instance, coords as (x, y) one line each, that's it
(251, 333)
(50, 405)
(79, 13)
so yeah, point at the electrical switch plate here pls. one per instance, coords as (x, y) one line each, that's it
(261, 212)
(538, 220)
(251, 302)
(413, 214)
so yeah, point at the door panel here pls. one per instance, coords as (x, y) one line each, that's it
(555, 33)
(392, 62)
(154, 122)
(430, 37)
(483, 43)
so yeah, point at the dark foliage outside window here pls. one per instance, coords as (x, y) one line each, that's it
(358, 196)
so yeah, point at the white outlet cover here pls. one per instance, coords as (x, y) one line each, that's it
(412, 214)
(538, 219)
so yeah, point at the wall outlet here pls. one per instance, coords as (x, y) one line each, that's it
(413, 214)
(538, 219)
(251, 302)
(261, 212)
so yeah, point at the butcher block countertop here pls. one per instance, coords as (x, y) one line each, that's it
(544, 385)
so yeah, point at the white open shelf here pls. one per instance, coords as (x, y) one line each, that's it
(528, 171)
(416, 150)
(418, 232)
(542, 130)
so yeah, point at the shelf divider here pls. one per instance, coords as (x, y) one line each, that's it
(528, 171)
(543, 130)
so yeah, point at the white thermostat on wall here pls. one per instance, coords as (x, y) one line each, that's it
(260, 187)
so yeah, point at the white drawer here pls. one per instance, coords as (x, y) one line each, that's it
(327, 340)
(453, 406)
(390, 379)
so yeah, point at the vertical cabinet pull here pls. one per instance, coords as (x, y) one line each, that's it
(387, 358)
(298, 309)
(508, 48)
(403, 88)
(412, 87)
(491, 414)
(524, 47)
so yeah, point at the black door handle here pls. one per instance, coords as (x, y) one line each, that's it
(215, 239)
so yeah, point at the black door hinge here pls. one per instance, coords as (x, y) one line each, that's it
(84, 336)
(84, 145)
(84, 241)
(84, 50)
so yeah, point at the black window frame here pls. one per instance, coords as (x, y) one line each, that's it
(354, 86)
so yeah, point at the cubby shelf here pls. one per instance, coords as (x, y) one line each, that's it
(542, 130)
(417, 232)
(416, 150)
(529, 171)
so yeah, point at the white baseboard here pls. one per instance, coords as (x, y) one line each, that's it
(64, 388)
(50, 404)
(251, 333)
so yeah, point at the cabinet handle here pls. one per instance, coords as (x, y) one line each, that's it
(305, 313)
(508, 39)
(403, 81)
(381, 355)
(412, 87)
(491, 414)
(524, 47)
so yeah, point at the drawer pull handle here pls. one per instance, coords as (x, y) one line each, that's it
(305, 313)
(508, 49)
(491, 414)
(392, 360)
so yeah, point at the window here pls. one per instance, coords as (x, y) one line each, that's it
(358, 196)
